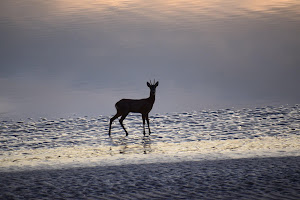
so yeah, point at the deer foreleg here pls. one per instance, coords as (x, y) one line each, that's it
(144, 117)
(147, 118)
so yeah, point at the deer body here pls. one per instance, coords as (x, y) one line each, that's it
(143, 106)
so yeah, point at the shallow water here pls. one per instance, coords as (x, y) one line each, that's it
(273, 128)
(222, 124)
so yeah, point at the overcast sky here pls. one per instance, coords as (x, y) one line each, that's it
(82, 56)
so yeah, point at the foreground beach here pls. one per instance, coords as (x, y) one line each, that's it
(260, 168)
(250, 178)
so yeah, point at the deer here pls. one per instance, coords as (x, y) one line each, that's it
(143, 106)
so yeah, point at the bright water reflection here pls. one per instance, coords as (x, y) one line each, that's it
(223, 124)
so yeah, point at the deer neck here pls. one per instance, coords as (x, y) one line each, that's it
(151, 98)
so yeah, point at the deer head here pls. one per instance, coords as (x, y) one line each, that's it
(152, 87)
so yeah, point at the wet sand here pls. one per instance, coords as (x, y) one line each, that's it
(248, 178)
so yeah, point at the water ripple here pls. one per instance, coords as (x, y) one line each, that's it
(222, 124)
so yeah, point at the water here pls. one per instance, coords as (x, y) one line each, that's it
(64, 57)
(56, 141)
(223, 124)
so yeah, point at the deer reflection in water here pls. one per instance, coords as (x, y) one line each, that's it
(123, 145)
(143, 106)
(147, 145)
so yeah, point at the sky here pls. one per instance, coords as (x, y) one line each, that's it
(67, 57)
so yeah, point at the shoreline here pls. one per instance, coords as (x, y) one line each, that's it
(92, 156)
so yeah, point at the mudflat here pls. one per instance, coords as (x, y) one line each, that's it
(247, 178)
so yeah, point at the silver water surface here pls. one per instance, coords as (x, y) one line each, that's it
(223, 124)
(63, 57)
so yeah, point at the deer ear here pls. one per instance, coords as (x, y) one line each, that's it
(156, 84)
(148, 84)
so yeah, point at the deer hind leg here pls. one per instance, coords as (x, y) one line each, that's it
(112, 119)
(121, 122)
(147, 118)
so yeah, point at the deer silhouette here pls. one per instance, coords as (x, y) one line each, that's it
(143, 106)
